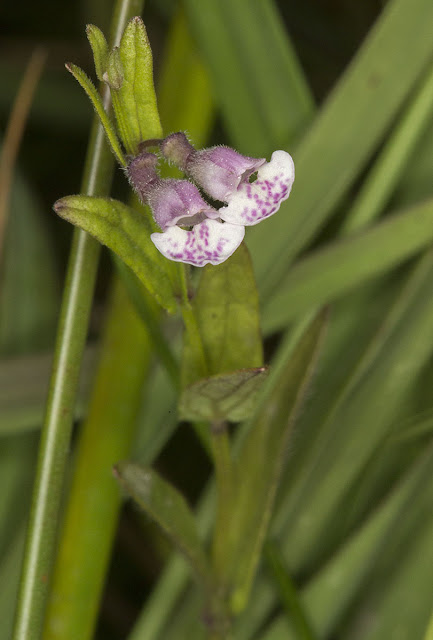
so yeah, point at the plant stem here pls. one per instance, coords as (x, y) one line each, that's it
(56, 432)
(192, 328)
(288, 592)
(224, 484)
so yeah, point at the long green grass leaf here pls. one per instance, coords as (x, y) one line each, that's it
(261, 460)
(184, 74)
(23, 390)
(369, 409)
(288, 592)
(346, 133)
(331, 271)
(389, 167)
(397, 608)
(337, 584)
(9, 581)
(55, 439)
(106, 437)
(27, 320)
(256, 76)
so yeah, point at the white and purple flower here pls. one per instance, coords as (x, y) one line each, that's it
(255, 201)
(176, 204)
(218, 171)
(225, 175)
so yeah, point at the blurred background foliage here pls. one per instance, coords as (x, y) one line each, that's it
(351, 480)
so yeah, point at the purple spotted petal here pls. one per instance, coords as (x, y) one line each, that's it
(210, 242)
(177, 202)
(255, 201)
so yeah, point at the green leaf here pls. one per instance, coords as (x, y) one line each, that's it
(344, 136)
(258, 80)
(334, 587)
(226, 309)
(10, 566)
(149, 313)
(418, 427)
(99, 48)
(415, 184)
(288, 592)
(29, 297)
(392, 164)
(114, 75)
(397, 610)
(164, 504)
(262, 457)
(184, 88)
(23, 390)
(429, 631)
(90, 515)
(371, 402)
(134, 99)
(95, 99)
(229, 396)
(126, 232)
(331, 271)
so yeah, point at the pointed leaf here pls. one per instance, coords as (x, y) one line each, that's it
(351, 125)
(395, 609)
(288, 592)
(258, 80)
(95, 98)
(164, 504)
(227, 396)
(333, 588)
(126, 232)
(134, 99)
(395, 159)
(99, 49)
(226, 308)
(185, 97)
(261, 460)
(114, 75)
(331, 271)
(29, 297)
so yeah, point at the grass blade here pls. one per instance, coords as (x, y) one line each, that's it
(260, 87)
(391, 163)
(345, 134)
(93, 503)
(288, 593)
(40, 543)
(331, 271)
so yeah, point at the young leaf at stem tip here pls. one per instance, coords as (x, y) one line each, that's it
(96, 101)
(134, 101)
(99, 49)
